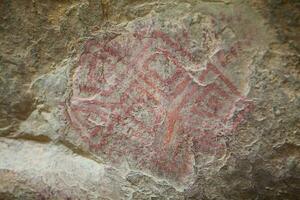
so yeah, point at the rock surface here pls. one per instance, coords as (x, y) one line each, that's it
(149, 99)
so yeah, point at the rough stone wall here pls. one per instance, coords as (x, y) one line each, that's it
(180, 99)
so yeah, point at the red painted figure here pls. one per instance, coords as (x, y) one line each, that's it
(135, 98)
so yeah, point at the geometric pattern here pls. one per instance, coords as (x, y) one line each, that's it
(135, 98)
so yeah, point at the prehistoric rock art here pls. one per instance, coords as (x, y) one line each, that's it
(167, 99)
(142, 96)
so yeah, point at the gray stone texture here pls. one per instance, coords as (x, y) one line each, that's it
(166, 99)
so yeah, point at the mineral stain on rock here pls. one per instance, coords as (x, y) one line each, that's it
(149, 100)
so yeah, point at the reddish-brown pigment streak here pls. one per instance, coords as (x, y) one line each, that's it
(112, 92)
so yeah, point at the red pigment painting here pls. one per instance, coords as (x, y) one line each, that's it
(134, 98)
